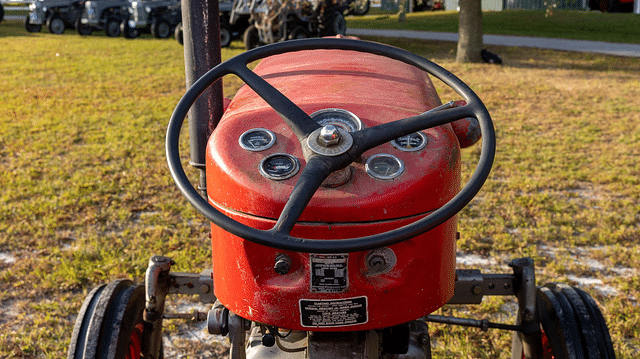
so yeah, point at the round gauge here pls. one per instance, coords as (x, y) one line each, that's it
(410, 143)
(257, 139)
(384, 166)
(279, 166)
(337, 117)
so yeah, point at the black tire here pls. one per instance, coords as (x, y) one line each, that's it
(299, 32)
(83, 29)
(251, 37)
(359, 7)
(178, 33)
(1, 13)
(572, 325)
(225, 35)
(56, 25)
(601, 330)
(110, 324)
(112, 27)
(31, 27)
(161, 29)
(129, 32)
(335, 24)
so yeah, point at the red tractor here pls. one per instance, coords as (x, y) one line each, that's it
(332, 188)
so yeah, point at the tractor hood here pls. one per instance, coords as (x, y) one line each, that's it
(374, 89)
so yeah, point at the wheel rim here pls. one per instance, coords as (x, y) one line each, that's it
(547, 353)
(113, 29)
(163, 30)
(225, 37)
(339, 25)
(135, 342)
(57, 26)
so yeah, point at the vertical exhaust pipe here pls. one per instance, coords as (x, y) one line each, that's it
(201, 31)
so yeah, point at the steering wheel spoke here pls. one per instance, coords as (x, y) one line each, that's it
(299, 122)
(311, 178)
(380, 134)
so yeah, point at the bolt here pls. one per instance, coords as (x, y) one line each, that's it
(329, 136)
(476, 289)
(527, 314)
(282, 265)
(376, 261)
(204, 289)
(423, 339)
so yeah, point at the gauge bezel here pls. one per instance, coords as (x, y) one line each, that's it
(425, 140)
(375, 175)
(257, 149)
(293, 172)
(352, 117)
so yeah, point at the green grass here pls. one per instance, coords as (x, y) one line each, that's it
(87, 198)
(578, 25)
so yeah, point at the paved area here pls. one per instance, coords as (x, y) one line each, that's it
(601, 47)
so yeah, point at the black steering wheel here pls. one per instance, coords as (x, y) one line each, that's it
(320, 165)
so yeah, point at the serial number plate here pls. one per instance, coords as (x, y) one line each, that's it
(329, 273)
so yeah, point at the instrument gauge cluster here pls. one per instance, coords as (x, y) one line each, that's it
(281, 166)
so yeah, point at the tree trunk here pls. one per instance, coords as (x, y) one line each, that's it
(469, 31)
(402, 10)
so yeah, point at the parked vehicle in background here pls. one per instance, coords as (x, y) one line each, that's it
(358, 7)
(56, 15)
(104, 15)
(233, 22)
(158, 17)
(274, 20)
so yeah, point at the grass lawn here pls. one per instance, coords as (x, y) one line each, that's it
(578, 25)
(87, 198)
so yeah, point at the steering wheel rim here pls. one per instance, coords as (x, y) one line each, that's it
(281, 239)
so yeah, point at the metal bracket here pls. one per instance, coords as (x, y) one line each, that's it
(237, 336)
(159, 282)
(156, 282)
(471, 286)
(194, 284)
(524, 270)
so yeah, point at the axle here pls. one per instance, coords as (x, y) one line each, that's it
(410, 340)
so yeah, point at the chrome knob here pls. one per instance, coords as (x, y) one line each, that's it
(329, 136)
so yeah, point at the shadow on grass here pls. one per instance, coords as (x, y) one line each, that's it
(14, 28)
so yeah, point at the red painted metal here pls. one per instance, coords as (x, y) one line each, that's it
(377, 90)
(467, 129)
